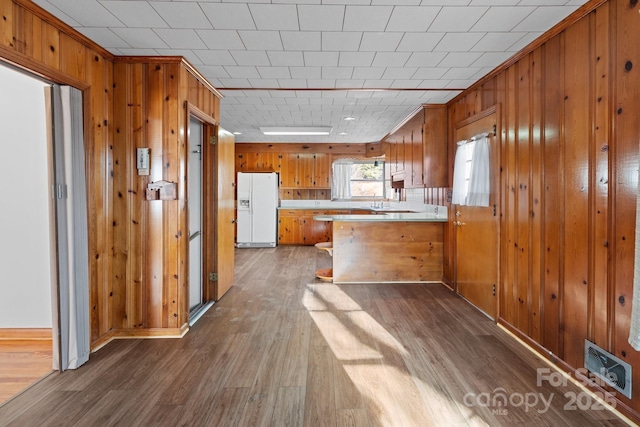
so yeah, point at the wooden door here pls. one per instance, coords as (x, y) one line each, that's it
(305, 170)
(224, 213)
(476, 228)
(289, 230)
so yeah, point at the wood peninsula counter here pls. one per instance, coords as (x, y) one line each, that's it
(391, 247)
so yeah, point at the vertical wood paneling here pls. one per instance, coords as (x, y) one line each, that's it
(599, 280)
(535, 198)
(72, 57)
(522, 194)
(7, 31)
(552, 103)
(626, 63)
(576, 190)
(121, 150)
(154, 105)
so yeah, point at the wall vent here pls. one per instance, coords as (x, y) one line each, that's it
(608, 368)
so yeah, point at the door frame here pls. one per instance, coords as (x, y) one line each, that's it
(496, 192)
(209, 193)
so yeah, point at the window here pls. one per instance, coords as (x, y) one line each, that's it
(358, 179)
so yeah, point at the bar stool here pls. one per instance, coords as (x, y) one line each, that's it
(325, 274)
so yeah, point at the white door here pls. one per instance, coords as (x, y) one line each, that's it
(194, 188)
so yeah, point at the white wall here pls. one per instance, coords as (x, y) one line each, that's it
(25, 265)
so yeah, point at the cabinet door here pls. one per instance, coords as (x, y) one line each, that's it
(435, 146)
(305, 170)
(289, 231)
(288, 174)
(321, 171)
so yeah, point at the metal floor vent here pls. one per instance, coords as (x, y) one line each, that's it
(608, 368)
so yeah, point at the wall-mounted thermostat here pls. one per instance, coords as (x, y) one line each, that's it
(142, 161)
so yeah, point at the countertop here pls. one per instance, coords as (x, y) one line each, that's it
(384, 217)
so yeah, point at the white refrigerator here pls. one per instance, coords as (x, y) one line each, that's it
(257, 210)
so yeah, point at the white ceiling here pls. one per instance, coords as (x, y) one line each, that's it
(300, 61)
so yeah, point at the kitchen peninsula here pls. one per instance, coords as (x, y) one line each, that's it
(392, 247)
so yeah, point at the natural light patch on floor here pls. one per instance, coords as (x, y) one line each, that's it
(375, 363)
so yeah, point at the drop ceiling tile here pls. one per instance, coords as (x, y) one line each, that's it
(399, 73)
(104, 37)
(301, 40)
(274, 72)
(221, 39)
(458, 42)
(274, 16)
(412, 18)
(376, 41)
(356, 59)
(429, 73)
(377, 83)
(341, 41)
(181, 15)
(274, 101)
(348, 2)
(419, 42)
(492, 59)
(540, 18)
(214, 71)
(236, 72)
(180, 38)
(337, 72)
(457, 73)
(306, 72)
(433, 84)
(349, 83)
(459, 59)
(494, 2)
(215, 57)
(425, 59)
(457, 18)
(292, 83)
(497, 42)
(235, 83)
(228, 16)
(135, 14)
(261, 40)
(390, 59)
(319, 59)
(141, 38)
(88, 13)
(285, 59)
(524, 41)
(271, 83)
(460, 84)
(366, 18)
(321, 83)
(250, 57)
(396, 2)
(502, 18)
(482, 72)
(543, 2)
(405, 84)
(321, 18)
(368, 73)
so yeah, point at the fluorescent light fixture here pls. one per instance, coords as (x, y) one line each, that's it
(237, 133)
(323, 130)
(349, 119)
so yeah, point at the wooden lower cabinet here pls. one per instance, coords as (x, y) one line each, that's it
(297, 226)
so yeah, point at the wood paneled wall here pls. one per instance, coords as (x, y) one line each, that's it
(569, 162)
(137, 268)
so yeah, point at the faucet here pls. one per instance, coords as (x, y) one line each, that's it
(375, 205)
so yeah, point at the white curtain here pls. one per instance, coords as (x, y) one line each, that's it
(341, 188)
(471, 173)
(479, 180)
(634, 333)
(72, 328)
(462, 172)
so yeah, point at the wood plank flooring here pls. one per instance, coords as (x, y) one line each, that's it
(22, 363)
(283, 349)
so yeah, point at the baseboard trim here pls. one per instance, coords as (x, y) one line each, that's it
(132, 334)
(26, 334)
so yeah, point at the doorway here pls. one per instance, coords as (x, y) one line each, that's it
(476, 228)
(194, 188)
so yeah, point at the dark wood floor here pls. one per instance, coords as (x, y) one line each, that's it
(284, 349)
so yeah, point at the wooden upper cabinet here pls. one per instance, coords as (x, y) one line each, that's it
(414, 152)
(435, 146)
(305, 170)
(321, 170)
